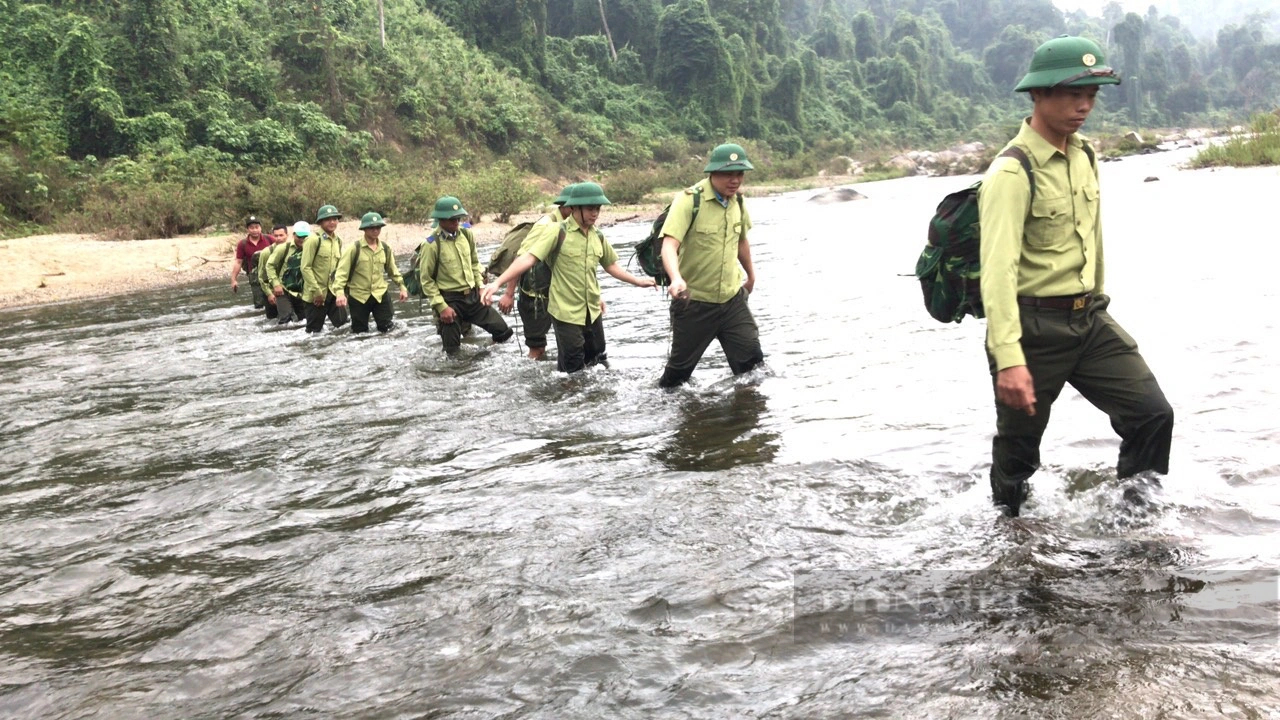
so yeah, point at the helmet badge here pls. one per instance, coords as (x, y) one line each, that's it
(1088, 60)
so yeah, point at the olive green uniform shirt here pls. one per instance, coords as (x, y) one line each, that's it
(548, 224)
(320, 253)
(362, 271)
(1053, 248)
(448, 264)
(264, 262)
(275, 265)
(574, 295)
(708, 254)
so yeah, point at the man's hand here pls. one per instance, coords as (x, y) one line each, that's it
(678, 290)
(486, 293)
(750, 284)
(447, 315)
(404, 294)
(277, 290)
(319, 300)
(235, 285)
(271, 299)
(340, 301)
(1015, 389)
(506, 303)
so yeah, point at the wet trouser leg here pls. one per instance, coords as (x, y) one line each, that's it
(259, 297)
(578, 346)
(468, 309)
(695, 324)
(290, 308)
(383, 312)
(1089, 350)
(535, 320)
(360, 313)
(272, 311)
(316, 314)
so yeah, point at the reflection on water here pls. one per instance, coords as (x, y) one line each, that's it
(205, 518)
(720, 432)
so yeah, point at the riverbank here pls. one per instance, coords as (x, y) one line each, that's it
(42, 269)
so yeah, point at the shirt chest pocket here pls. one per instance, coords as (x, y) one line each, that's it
(1050, 221)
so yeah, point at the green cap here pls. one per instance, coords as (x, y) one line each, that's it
(586, 193)
(371, 220)
(326, 212)
(563, 197)
(1068, 61)
(447, 208)
(728, 158)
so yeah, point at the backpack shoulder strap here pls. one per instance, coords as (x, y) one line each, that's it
(1093, 159)
(1020, 155)
(555, 251)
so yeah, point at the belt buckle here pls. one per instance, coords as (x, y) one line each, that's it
(1078, 303)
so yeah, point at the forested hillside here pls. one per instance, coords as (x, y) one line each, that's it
(110, 107)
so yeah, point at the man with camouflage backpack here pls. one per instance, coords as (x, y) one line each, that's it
(320, 255)
(284, 274)
(571, 256)
(450, 275)
(1042, 284)
(532, 305)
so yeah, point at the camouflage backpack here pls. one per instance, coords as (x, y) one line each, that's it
(509, 250)
(291, 276)
(949, 267)
(537, 280)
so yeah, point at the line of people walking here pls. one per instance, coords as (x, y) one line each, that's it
(305, 273)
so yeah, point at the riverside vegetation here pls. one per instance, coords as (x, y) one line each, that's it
(158, 117)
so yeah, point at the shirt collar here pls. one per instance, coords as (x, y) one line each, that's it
(1041, 150)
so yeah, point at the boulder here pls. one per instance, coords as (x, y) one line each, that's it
(837, 195)
(903, 163)
(1133, 135)
(1151, 178)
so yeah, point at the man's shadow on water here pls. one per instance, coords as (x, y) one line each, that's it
(720, 432)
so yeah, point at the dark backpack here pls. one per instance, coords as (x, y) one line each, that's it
(648, 251)
(537, 280)
(291, 277)
(950, 267)
(509, 250)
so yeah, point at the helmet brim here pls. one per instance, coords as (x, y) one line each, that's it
(1068, 77)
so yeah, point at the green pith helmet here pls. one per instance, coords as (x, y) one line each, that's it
(447, 208)
(586, 193)
(563, 197)
(371, 220)
(728, 158)
(1068, 61)
(326, 212)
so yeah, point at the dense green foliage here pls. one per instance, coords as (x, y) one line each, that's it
(204, 110)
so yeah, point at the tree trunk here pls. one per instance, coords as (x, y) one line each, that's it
(603, 21)
(382, 24)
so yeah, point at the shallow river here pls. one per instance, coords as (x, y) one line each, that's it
(203, 517)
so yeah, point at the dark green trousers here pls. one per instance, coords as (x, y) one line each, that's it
(535, 319)
(469, 310)
(695, 324)
(1088, 349)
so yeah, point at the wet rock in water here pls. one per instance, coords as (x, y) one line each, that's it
(1134, 136)
(836, 195)
(1151, 178)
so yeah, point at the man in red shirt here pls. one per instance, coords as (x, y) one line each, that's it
(245, 250)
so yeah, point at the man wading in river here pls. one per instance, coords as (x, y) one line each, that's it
(246, 250)
(261, 259)
(289, 304)
(361, 279)
(702, 255)
(320, 255)
(1047, 319)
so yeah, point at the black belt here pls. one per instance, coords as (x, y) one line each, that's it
(1058, 302)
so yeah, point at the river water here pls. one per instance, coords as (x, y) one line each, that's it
(203, 517)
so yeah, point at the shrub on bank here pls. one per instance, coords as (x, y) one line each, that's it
(495, 190)
(1260, 146)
